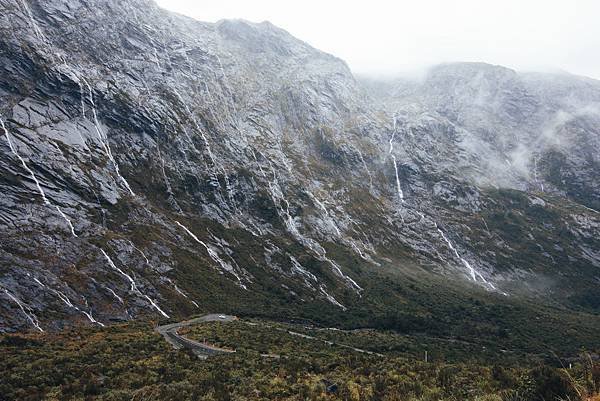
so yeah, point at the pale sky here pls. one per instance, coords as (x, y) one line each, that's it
(392, 37)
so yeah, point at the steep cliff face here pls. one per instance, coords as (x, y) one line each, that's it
(532, 132)
(155, 166)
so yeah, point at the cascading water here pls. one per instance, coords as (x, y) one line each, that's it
(535, 174)
(348, 241)
(67, 220)
(214, 179)
(26, 309)
(89, 314)
(14, 151)
(140, 252)
(473, 273)
(307, 276)
(214, 256)
(103, 138)
(283, 210)
(390, 152)
(65, 299)
(325, 211)
(331, 298)
(180, 292)
(36, 29)
(114, 294)
(362, 159)
(35, 180)
(134, 287)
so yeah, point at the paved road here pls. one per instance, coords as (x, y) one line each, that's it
(169, 332)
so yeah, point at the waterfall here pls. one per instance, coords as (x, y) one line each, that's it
(213, 255)
(13, 149)
(134, 287)
(65, 299)
(331, 298)
(26, 309)
(103, 138)
(390, 152)
(474, 274)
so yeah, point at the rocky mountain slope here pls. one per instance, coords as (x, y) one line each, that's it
(154, 166)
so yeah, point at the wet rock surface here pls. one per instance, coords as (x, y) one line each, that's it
(153, 166)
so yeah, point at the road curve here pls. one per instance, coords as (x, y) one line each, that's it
(169, 332)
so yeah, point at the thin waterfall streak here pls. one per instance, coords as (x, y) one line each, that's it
(133, 284)
(390, 152)
(104, 138)
(30, 315)
(64, 216)
(213, 255)
(114, 294)
(14, 151)
(398, 186)
(35, 179)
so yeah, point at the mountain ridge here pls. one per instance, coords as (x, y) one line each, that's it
(159, 167)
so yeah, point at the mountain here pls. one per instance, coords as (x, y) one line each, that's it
(530, 132)
(155, 167)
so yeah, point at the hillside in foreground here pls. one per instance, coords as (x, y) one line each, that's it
(280, 361)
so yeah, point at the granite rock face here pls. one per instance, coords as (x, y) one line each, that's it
(155, 166)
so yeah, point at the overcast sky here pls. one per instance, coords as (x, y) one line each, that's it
(390, 37)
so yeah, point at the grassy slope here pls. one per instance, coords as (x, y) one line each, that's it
(132, 361)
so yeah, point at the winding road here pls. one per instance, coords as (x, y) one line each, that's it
(202, 350)
(170, 333)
